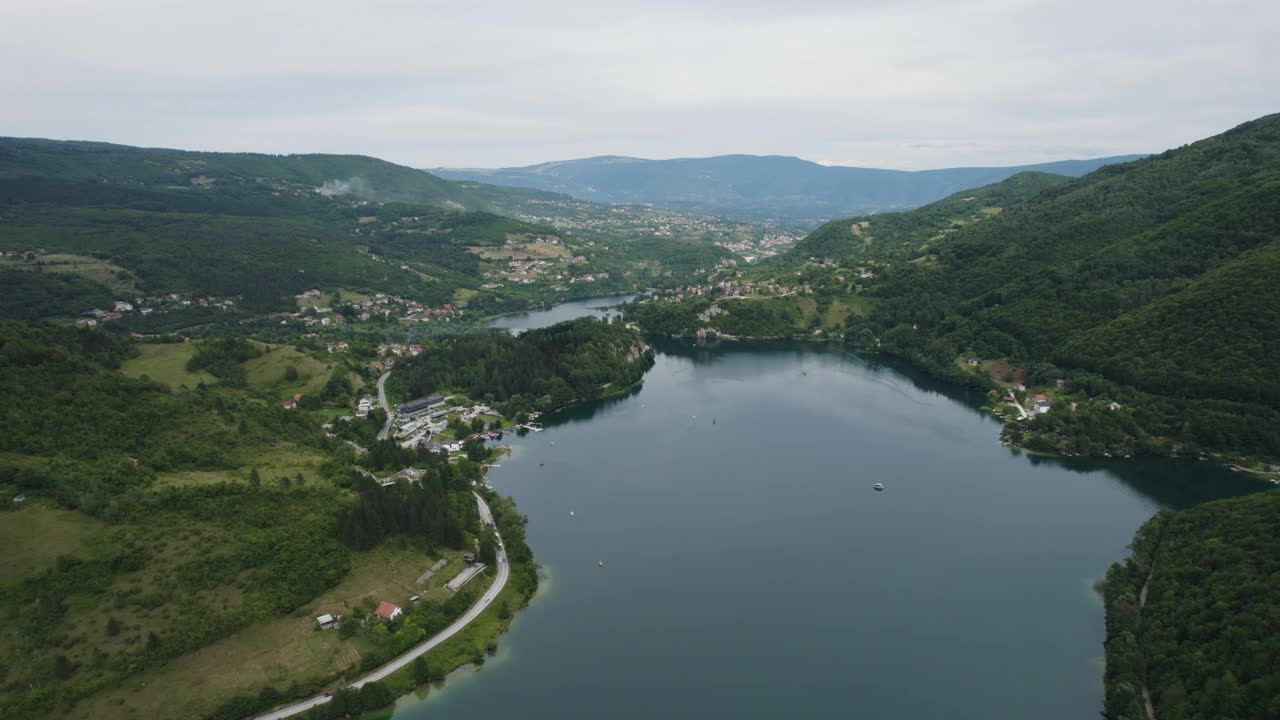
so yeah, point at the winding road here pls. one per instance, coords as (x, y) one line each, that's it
(382, 400)
(499, 582)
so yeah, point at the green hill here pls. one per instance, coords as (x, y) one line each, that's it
(259, 227)
(910, 234)
(1206, 643)
(64, 163)
(1155, 275)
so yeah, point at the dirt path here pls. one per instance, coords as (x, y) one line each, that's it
(1142, 602)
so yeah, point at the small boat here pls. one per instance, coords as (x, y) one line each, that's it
(878, 486)
(601, 563)
(570, 513)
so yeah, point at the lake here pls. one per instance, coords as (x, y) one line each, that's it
(595, 307)
(751, 571)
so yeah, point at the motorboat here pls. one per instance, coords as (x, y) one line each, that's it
(878, 486)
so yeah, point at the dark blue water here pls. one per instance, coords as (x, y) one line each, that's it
(752, 572)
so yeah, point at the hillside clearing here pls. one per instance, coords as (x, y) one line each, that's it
(166, 363)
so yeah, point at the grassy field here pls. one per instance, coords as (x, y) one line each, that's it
(522, 251)
(276, 652)
(325, 300)
(840, 310)
(269, 369)
(999, 371)
(37, 533)
(808, 311)
(462, 295)
(275, 462)
(166, 363)
(100, 271)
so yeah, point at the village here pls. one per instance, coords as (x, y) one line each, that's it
(145, 306)
(729, 289)
(316, 309)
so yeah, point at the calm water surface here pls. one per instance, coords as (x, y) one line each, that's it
(750, 571)
(596, 307)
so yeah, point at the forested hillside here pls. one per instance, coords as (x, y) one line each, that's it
(255, 227)
(59, 166)
(1206, 642)
(905, 235)
(539, 369)
(1151, 274)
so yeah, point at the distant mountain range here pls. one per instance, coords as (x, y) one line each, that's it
(757, 187)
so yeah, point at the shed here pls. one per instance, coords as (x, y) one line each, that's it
(326, 621)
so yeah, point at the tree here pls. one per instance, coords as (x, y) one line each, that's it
(477, 425)
(291, 374)
(488, 549)
(346, 701)
(475, 449)
(285, 483)
(300, 479)
(375, 695)
(254, 478)
(420, 671)
(62, 667)
(113, 627)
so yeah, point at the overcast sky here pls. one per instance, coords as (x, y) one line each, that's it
(887, 83)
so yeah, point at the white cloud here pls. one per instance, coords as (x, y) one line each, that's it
(890, 84)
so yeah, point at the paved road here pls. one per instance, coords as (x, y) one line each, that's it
(382, 400)
(471, 614)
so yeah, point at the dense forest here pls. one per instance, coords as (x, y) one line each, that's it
(1206, 642)
(34, 295)
(1153, 275)
(539, 369)
(358, 176)
(756, 318)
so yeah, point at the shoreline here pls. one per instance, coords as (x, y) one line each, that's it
(398, 667)
(1236, 464)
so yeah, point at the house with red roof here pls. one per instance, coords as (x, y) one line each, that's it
(388, 611)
